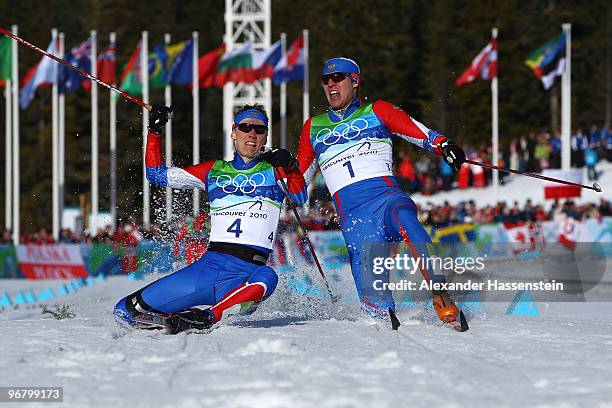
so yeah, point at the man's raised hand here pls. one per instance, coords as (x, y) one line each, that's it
(158, 118)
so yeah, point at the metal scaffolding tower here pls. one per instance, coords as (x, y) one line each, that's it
(246, 20)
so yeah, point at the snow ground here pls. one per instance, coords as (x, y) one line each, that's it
(520, 188)
(301, 352)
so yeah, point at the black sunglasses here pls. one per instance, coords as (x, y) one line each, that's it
(247, 127)
(335, 77)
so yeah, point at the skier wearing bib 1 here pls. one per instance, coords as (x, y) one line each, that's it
(245, 203)
(352, 145)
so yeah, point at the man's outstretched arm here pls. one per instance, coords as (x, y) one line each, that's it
(401, 124)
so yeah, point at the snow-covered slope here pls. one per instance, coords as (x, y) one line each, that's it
(301, 352)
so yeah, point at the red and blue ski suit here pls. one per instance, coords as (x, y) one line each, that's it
(245, 203)
(354, 154)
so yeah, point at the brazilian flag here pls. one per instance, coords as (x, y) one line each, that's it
(158, 71)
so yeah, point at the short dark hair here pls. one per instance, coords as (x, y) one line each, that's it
(255, 106)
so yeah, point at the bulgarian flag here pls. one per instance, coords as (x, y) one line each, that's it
(236, 66)
(556, 190)
(245, 65)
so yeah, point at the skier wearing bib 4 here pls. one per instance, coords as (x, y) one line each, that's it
(245, 199)
(352, 144)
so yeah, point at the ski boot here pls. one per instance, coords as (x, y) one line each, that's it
(448, 312)
(193, 318)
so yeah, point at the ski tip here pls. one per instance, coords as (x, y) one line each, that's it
(464, 324)
(395, 323)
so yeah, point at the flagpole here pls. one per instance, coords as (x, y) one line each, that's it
(306, 95)
(55, 145)
(566, 100)
(8, 165)
(283, 98)
(495, 124)
(94, 135)
(144, 75)
(16, 192)
(195, 92)
(168, 141)
(113, 145)
(62, 141)
(228, 89)
(267, 82)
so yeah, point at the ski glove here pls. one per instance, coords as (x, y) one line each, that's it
(158, 118)
(280, 158)
(452, 154)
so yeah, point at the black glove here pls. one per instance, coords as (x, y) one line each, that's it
(158, 117)
(452, 154)
(280, 158)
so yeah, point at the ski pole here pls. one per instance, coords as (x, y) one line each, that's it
(80, 71)
(293, 206)
(595, 186)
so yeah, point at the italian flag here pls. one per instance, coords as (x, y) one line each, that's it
(555, 190)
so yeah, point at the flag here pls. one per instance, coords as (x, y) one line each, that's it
(41, 74)
(207, 66)
(80, 57)
(291, 66)
(554, 190)
(131, 80)
(6, 59)
(236, 66)
(548, 61)
(158, 67)
(105, 67)
(264, 61)
(484, 66)
(180, 63)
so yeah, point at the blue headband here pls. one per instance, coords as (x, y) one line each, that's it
(253, 114)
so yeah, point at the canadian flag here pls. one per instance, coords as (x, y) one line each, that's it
(484, 66)
(555, 190)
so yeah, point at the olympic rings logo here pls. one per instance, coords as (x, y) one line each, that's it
(243, 182)
(347, 131)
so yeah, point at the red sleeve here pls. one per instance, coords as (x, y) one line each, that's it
(306, 154)
(153, 153)
(400, 123)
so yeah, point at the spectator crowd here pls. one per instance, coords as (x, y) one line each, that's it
(534, 152)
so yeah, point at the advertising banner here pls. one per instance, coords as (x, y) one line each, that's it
(62, 261)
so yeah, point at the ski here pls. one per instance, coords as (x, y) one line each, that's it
(150, 321)
(174, 323)
(459, 325)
